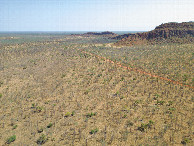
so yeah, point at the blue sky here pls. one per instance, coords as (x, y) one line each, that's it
(92, 15)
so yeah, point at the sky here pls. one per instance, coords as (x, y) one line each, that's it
(92, 15)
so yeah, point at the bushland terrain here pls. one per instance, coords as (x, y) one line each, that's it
(64, 90)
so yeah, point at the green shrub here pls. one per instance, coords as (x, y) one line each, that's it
(122, 79)
(91, 114)
(170, 103)
(185, 77)
(160, 102)
(63, 75)
(117, 93)
(185, 141)
(42, 139)
(86, 92)
(137, 102)
(40, 130)
(129, 123)
(11, 139)
(15, 126)
(1, 83)
(125, 116)
(49, 125)
(73, 113)
(39, 109)
(122, 97)
(67, 114)
(99, 75)
(156, 96)
(33, 105)
(143, 127)
(171, 109)
(1, 95)
(94, 131)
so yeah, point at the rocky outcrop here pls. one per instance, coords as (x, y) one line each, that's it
(96, 34)
(164, 33)
(119, 37)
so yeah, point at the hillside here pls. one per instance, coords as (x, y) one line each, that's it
(165, 33)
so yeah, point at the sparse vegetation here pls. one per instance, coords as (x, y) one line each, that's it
(77, 92)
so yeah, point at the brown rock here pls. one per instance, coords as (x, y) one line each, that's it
(164, 33)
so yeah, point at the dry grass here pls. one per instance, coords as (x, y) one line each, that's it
(173, 61)
(57, 95)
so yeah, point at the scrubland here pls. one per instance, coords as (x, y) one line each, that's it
(52, 93)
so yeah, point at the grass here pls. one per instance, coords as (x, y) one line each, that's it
(169, 60)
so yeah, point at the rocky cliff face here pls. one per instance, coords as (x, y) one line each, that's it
(164, 33)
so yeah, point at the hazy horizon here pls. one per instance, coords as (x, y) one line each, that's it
(92, 15)
(59, 32)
